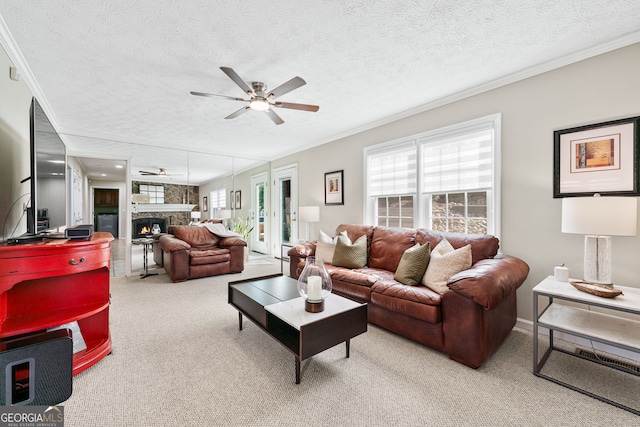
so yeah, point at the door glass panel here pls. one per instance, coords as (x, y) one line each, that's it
(260, 210)
(285, 208)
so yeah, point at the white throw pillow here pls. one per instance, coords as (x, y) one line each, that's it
(326, 246)
(445, 262)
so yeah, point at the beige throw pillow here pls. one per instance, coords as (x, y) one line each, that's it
(444, 263)
(350, 255)
(325, 247)
(413, 264)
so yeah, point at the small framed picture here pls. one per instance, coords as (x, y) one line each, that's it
(205, 203)
(597, 158)
(238, 198)
(333, 188)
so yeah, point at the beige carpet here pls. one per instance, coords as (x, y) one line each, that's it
(179, 360)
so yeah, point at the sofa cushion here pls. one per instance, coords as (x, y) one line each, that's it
(361, 277)
(419, 301)
(413, 264)
(209, 256)
(444, 263)
(197, 237)
(350, 254)
(483, 246)
(387, 246)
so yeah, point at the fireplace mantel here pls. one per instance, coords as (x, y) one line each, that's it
(165, 207)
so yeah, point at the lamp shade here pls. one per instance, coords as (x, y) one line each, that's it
(196, 214)
(600, 216)
(309, 213)
(224, 213)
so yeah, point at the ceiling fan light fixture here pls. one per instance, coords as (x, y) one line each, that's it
(259, 104)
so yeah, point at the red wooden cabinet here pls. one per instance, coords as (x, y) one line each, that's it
(54, 282)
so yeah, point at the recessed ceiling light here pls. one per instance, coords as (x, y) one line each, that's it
(103, 174)
(119, 166)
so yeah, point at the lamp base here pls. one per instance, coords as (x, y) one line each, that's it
(597, 259)
(314, 307)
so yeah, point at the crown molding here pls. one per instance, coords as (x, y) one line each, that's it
(617, 43)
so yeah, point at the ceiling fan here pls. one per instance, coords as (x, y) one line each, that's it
(260, 99)
(161, 172)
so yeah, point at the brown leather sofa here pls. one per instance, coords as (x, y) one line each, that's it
(468, 322)
(190, 252)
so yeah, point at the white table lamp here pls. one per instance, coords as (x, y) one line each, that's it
(598, 218)
(309, 214)
(224, 215)
(195, 216)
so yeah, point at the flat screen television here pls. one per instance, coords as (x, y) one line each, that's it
(48, 203)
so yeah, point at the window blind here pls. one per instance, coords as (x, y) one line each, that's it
(392, 170)
(458, 163)
(218, 198)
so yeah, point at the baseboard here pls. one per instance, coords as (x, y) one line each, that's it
(587, 344)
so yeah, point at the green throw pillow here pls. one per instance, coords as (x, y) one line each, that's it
(350, 255)
(413, 264)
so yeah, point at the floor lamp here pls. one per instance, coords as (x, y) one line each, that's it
(309, 214)
(598, 218)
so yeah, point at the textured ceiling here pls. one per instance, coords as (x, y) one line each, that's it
(115, 76)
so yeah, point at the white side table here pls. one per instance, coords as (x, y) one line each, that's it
(579, 321)
(283, 253)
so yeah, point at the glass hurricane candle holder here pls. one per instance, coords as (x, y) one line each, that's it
(314, 285)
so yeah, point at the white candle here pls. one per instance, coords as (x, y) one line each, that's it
(314, 288)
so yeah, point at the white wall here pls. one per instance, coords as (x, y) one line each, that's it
(591, 91)
(15, 99)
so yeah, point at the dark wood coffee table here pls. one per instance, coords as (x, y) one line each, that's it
(273, 303)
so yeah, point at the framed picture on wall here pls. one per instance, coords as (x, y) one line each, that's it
(238, 199)
(597, 158)
(205, 203)
(333, 188)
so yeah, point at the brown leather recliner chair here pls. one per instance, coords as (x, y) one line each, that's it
(190, 252)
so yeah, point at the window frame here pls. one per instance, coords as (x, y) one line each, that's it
(152, 191)
(422, 200)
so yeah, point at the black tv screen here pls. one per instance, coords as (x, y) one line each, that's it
(48, 206)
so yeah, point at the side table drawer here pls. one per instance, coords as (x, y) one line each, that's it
(68, 263)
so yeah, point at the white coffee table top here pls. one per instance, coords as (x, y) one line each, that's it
(293, 313)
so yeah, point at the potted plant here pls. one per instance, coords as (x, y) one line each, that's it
(243, 227)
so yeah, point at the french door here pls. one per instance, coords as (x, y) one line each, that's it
(285, 202)
(260, 213)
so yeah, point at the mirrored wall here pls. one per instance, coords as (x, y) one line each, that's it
(159, 185)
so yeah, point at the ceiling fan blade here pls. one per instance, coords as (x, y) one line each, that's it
(213, 95)
(287, 87)
(147, 173)
(294, 106)
(273, 116)
(238, 80)
(237, 113)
